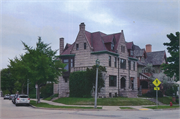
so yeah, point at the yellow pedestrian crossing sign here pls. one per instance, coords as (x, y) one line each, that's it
(156, 88)
(156, 82)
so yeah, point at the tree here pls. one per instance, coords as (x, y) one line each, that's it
(91, 76)
(172, 68)
(42, 65)
(7, 81)
(19, 70)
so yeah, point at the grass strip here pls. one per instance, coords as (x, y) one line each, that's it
(126, 108)
(162, 107)
(46, 105)
(118, 101)
(166, 100)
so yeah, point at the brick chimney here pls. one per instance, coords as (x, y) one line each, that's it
(61, 45)
(82, 27)
(148, 48)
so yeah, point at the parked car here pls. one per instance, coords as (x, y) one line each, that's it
(22, 99)
(6, 96)
(11, 96)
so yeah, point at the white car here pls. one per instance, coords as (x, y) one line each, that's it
(22, 99)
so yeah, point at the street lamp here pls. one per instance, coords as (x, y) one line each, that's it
(97, 65)
(178, 82)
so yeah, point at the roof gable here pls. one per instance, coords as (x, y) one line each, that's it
(155, 58)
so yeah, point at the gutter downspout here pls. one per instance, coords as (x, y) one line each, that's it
(118, 78)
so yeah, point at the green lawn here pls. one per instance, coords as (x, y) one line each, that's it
(119, 101)
(126, 108)
(162, 107)
(166, 100)
(45, 105)
(48, 99)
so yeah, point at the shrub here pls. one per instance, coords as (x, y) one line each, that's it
(79, 85)
(152, 93)
(172, 90)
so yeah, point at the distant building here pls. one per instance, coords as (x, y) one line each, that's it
(146, 56)
(123, 60)
(113, 53)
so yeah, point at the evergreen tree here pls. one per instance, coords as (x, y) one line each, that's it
(172, 68)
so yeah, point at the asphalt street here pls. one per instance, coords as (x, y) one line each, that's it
(10, 111)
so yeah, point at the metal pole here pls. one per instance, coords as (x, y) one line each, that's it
(95, 103)
(156, 97)
(27, 86)
(36, 93)
(179, 95)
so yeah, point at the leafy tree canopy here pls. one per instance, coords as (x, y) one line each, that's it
(172, 68)
(7, 82)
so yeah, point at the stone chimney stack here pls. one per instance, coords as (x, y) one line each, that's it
(82, 27)
(61, 45)
(148, 48)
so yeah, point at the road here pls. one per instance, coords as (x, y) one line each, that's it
(10, 111)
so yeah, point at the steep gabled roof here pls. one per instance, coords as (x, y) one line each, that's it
(155, 58)
(97, 41)
(139, 53)
(129, 45)
(67, 49)
(136, 47)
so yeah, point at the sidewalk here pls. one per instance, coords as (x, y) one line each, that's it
(107, 108)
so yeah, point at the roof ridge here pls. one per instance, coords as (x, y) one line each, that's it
(156, 51)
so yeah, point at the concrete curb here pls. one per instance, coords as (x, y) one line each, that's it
(66, 109)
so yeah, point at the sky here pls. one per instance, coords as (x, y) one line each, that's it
(142, 21)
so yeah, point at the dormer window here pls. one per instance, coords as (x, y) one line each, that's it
(131, 52)
(112, 46)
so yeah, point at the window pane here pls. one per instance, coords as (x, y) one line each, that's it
(123, 64)
(77, 46)
(84, 45)
(67, 66)
(115, 62)
(72, 65)
(112, 80)
(109, 60)
(66, 61)
(23, 96)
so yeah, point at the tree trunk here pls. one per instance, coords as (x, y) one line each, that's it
(22, 88)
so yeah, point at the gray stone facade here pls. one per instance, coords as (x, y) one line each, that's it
(126, 80)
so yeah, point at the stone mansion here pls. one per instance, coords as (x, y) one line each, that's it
(117, 55)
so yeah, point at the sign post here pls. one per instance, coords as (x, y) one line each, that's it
(36, 86)
(156, 82)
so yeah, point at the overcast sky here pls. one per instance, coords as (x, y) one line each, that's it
(143, 22)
